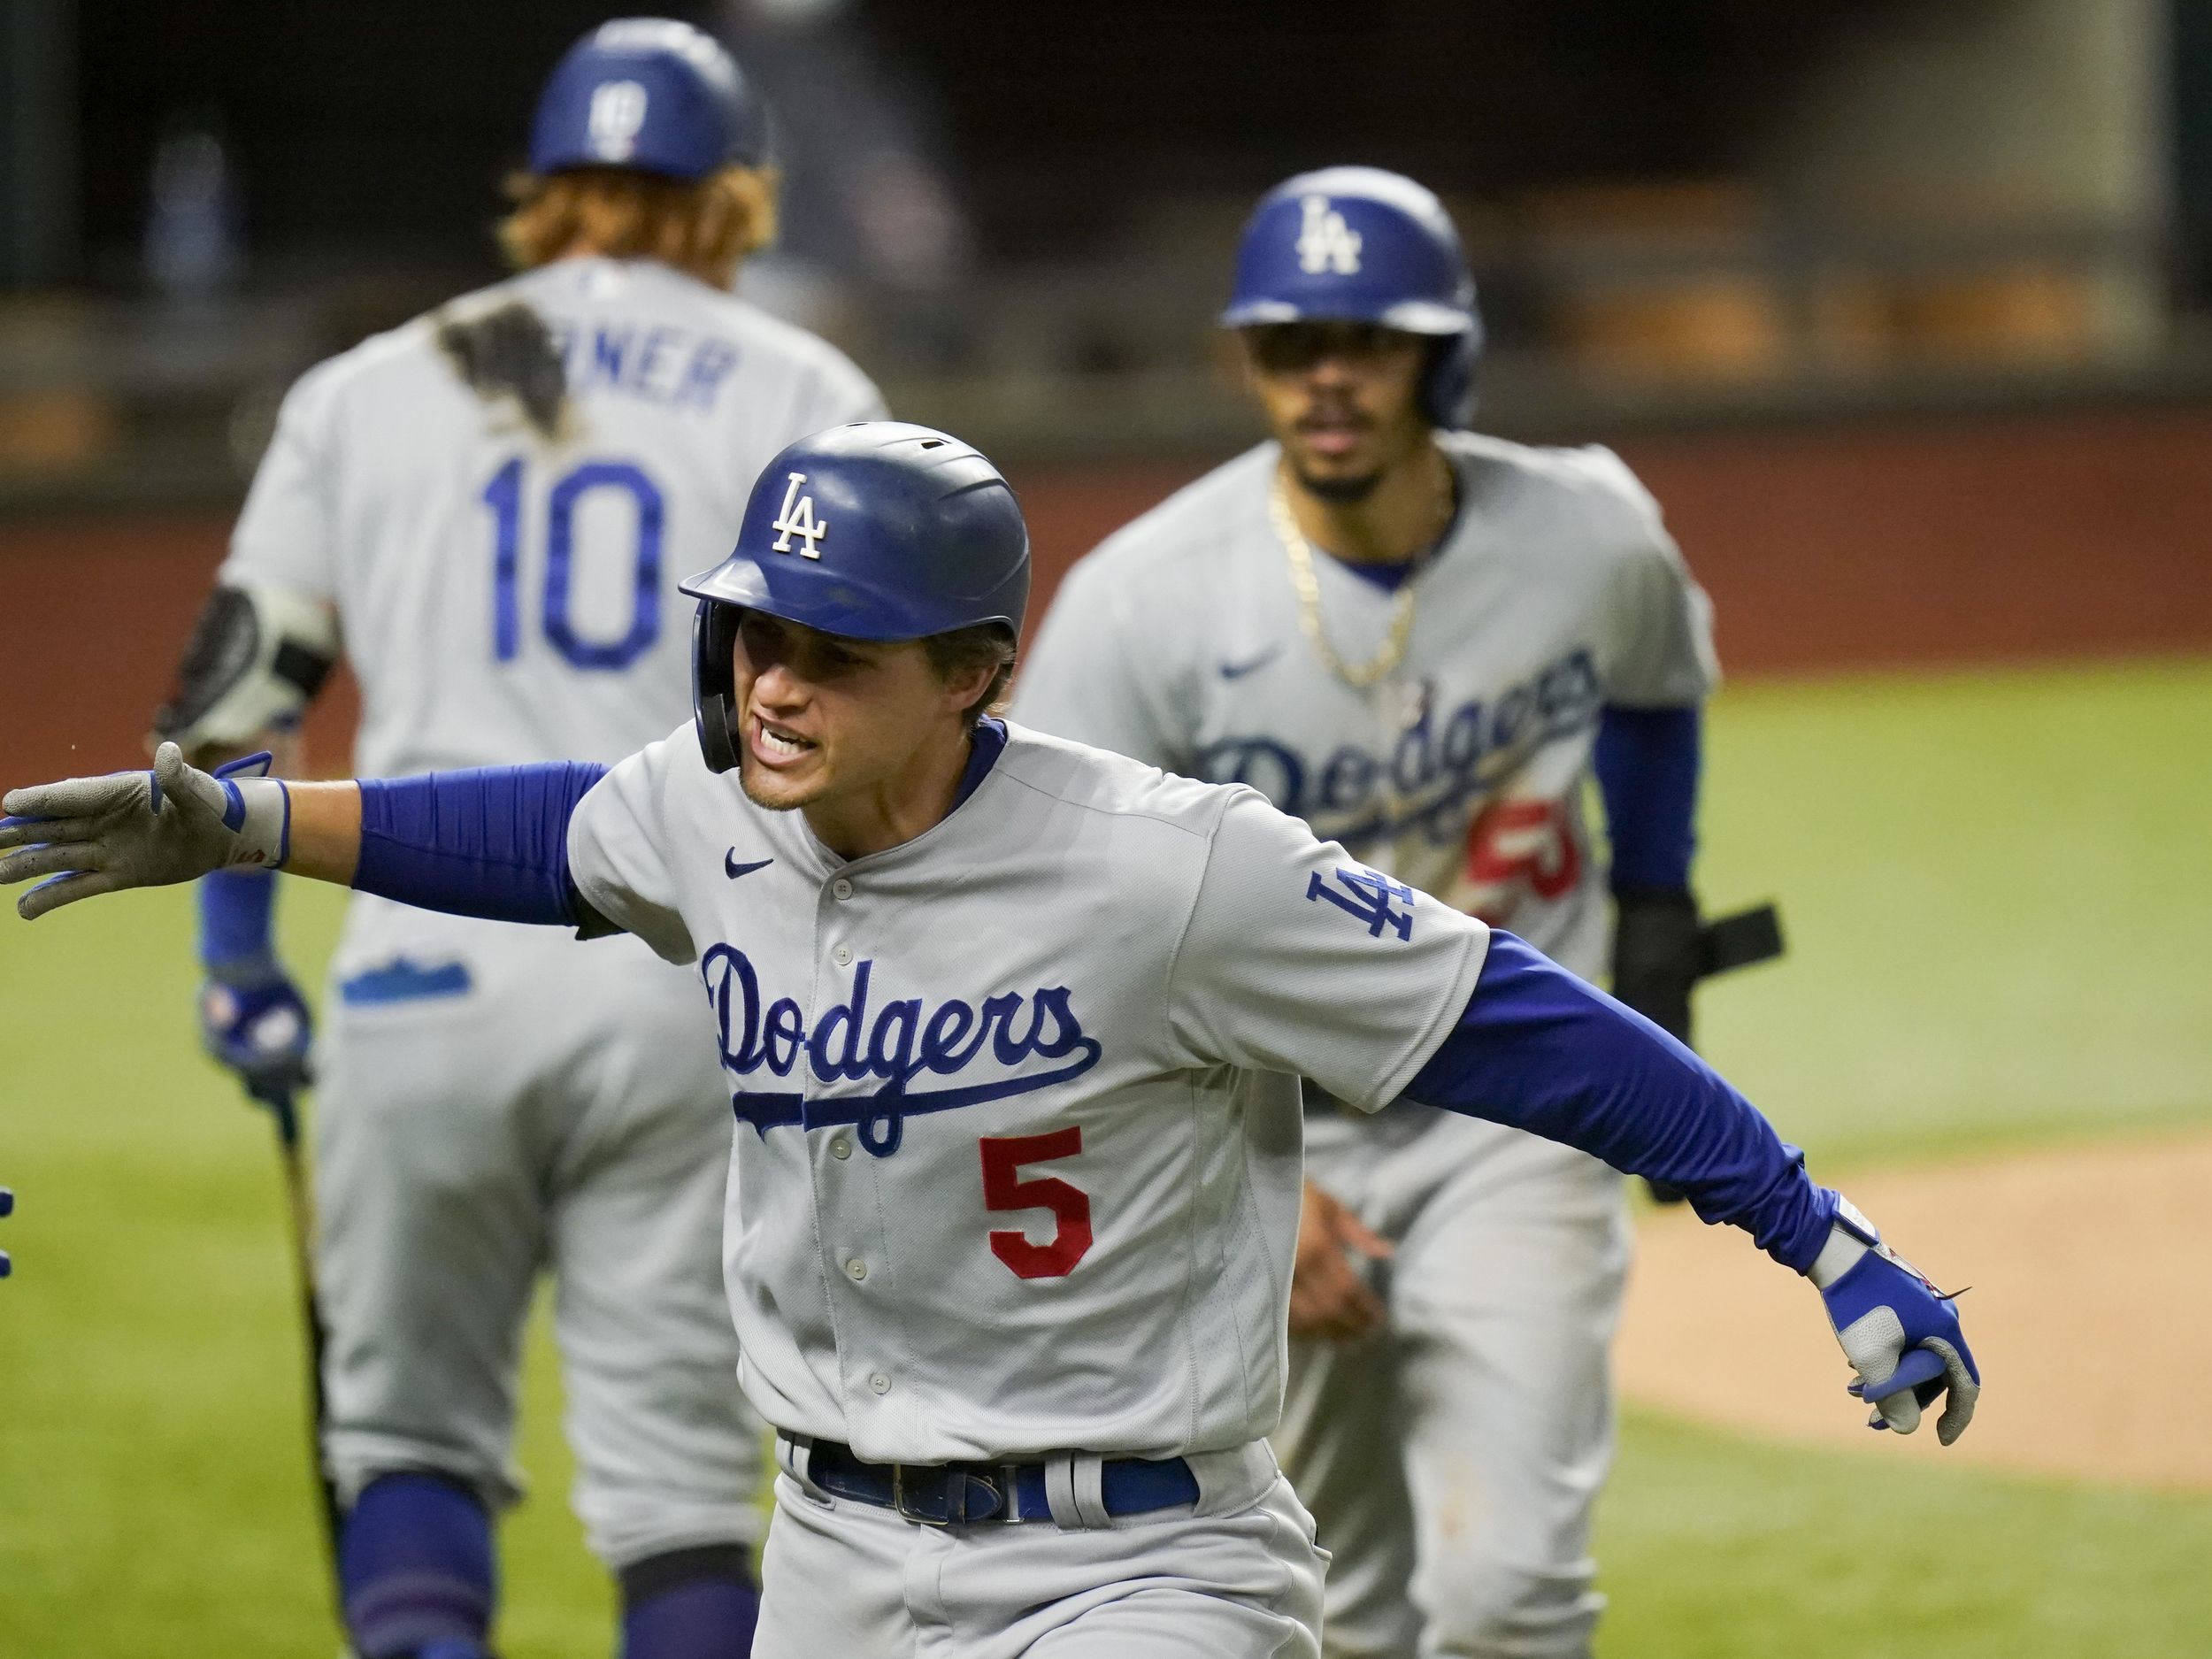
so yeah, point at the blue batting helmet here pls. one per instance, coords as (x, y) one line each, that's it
(1359, 245)
(879, 530)
(650, 93)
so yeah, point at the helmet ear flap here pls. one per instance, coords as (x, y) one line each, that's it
(714, 683)
(1448, 385)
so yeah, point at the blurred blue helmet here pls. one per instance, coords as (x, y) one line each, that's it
(1359, 245)
(649, 93)
(879, 530)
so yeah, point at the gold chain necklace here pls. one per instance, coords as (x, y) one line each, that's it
(1299, 552)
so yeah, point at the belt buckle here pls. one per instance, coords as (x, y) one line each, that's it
(899, 1503)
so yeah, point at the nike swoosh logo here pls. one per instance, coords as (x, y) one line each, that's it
(733, 869)
(1237, 671)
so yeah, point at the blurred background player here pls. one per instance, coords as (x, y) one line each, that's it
(874, 235)
(491, 506)
(1423, 642)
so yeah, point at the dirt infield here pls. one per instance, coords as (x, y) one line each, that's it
(2087, 1265)
(1898, 544)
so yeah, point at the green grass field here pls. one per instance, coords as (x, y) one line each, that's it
(1995, 888)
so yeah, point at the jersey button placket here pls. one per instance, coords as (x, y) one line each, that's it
(842, 1205)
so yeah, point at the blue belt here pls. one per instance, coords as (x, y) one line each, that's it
(960, 1495)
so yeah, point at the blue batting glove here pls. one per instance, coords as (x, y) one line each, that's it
(7, 1208)
(1899, 1332)
(254, 1021)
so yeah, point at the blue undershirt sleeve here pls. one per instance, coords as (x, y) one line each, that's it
(1541, 1050)
(490, 842)
(1648, 762)
(237, 914)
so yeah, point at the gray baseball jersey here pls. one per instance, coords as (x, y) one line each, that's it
(1451, 1459)
(506, 598)
(1019, 1138)
(1557, 591)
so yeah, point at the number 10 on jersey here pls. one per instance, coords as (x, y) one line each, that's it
(504, 496)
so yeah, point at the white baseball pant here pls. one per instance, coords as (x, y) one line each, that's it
(567, 1114)
(1452, 1460)
(1236, 1576)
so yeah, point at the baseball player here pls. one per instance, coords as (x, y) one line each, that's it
(491, 506)
(1012, 1030)
(1421, 642)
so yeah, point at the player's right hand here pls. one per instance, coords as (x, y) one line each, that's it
(254, 1021)
(1330, 1300)
(1901, 1336)
(139, 829)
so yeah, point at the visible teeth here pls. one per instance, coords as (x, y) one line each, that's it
(782, 744)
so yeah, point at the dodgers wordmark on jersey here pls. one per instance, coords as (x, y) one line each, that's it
(1555, 591)
(1055, 1043)
(509, 597)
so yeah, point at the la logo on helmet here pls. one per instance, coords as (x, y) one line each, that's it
(797, 518)
(1325, 242)
(618, 110)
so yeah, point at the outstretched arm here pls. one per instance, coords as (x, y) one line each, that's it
(1538, 1049)
(491, 842)
(326, 840)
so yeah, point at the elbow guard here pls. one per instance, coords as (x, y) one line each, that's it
(257, 657)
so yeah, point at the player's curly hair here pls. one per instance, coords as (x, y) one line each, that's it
(707, 228)
(987, 644)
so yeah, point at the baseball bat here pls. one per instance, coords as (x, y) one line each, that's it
(283, 1110)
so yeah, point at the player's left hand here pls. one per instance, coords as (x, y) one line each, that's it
(254, 1020)
(7, 1208)
(1329, 1300)
(1902, 1335)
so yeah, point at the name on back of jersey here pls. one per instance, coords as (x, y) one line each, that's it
(655, 363)
(1431, 776)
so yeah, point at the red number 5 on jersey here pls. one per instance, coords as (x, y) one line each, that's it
(1003, 1189)
(1517, 846)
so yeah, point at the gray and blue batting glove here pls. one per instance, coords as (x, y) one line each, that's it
(1899, 1332)
(254, 1021)
(7, 1208)
(141, 829)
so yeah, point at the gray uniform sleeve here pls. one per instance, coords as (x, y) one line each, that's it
(286, 534)
(1663, 622)
(1092, 675)
(1297, 958)
(840, 394)
(617, 856)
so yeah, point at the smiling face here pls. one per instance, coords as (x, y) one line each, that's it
(1342, 398)
(867, 737)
